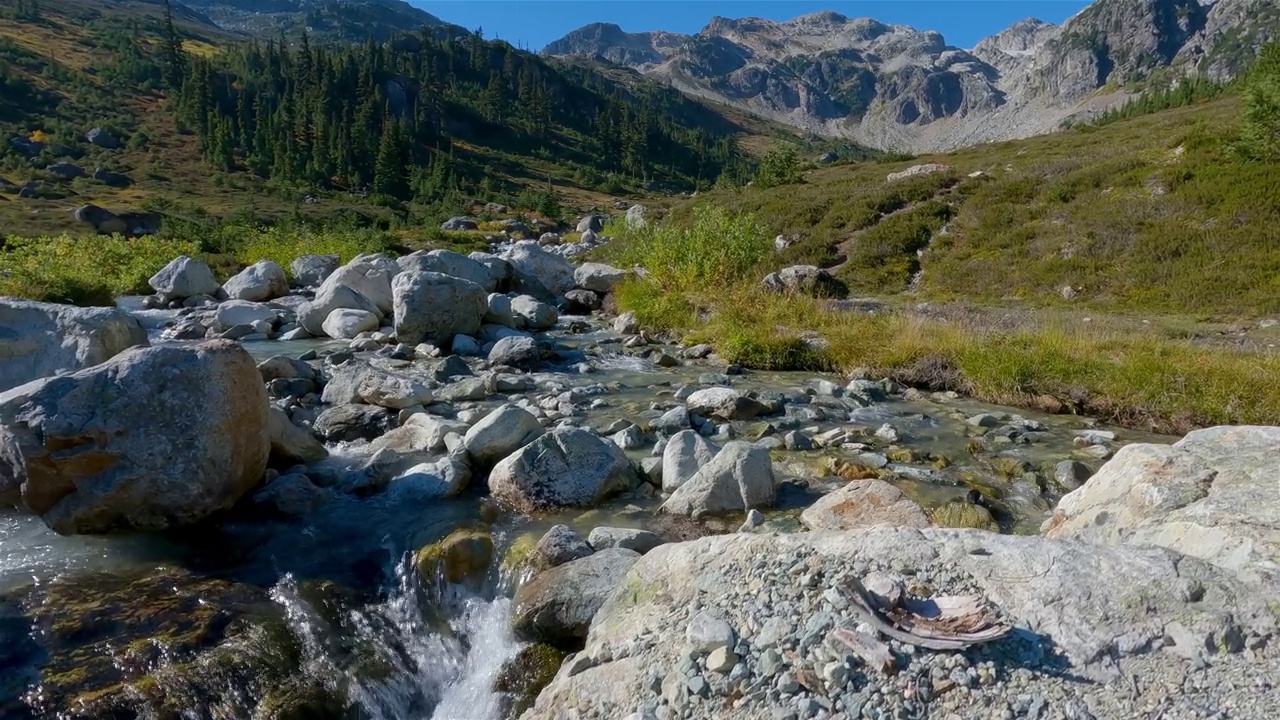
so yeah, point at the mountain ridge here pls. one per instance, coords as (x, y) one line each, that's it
(895, 87)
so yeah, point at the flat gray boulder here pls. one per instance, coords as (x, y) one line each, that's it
(501, 433)
(863, 504)
(557, 605)
(433, 307)
(517, 351)
(567, 467)
(724, 403)
(359, 382)
(560, 545)
(291, 443)
(447, 262)
(42, 339)
(151, 439)
(1215, 495)
(531, 314)
(641, 541)
(738, 478)
(599, 277)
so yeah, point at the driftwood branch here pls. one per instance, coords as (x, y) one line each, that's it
(946, 623)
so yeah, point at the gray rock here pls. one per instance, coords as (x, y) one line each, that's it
(290, 443)
(738, 478)
(532, 314)
(459, 223)
(98, 450)
(1071, 474)
(432, 307)
(112, 179)
(242, 312)
(557, 605)
(515, 351)
(312, 270)
(581, 302)
(797, 441)
(342, 423)
(641, 541)
(724, 403)
(566, 467)
(292, 494)
(359, 382)
(862, 504)
(626, 323)
(1211, 495)
(41, 339)
(362, 284)
(599, 277)
(498, 311)
(707, 632)
(102, 138)
(442, 478)
(345, 323)
(183, 278)
(500, 433)
(465, 346)
(536, 272)
(447, 262)
(560, 545)
(261, 281)
(636, 217)
(282, 366)
(685, 453)
(66, 171)
(673, 420)
(594, 223)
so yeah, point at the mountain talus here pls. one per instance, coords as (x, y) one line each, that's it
(895, 87)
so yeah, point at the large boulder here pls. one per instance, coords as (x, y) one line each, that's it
(636, 217)
(685, 453)
(433, 307)
(532, 314)
(447, 262)
(311, 270)
(804, 280)
(354, 421)
(1215, 495)
(153, 438)
(345, 324)
(242, 312)
(261, 281)
(102, 220)
(567, 467)
(501, 433)
(500, 269)
(333, 295)
(560, 545)
(724, 403)
(557, 605)
(593, 223)
(42, 339)
(1103, 612)
(862, 504)
(738, 478)
(102, 138)
(599, 277)
(183, 278)
(459, 223)
(517, 351)
(359, 382)
(539, 273)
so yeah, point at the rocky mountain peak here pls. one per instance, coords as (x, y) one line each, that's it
(894, 86)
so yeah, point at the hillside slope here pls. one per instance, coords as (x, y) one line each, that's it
(896, 87)
(501, 121)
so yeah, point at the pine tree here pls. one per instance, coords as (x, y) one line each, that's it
(1261, 134)
(390, 176)
(174, 57)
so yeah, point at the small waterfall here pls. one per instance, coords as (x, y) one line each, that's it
(437, 652)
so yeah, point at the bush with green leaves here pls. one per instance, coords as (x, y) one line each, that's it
(1261, 133)
(717, 247)
(84, 270)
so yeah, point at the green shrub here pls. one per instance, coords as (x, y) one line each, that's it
(284, 246)
(84, 270)
(717, 248)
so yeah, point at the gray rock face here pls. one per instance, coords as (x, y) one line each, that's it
(447, 262)
(684, 455)
(560, 545)
(566, 467)
(557, 605)
(290, 443)
(499, 311)
(333, 295)
(1215, 495)
(42, 339)
(536, 272)
(98, 450)
(261, 281)
(183, 278)
(445, 477)
(863, 504)
(501, 433)
(1051, 589)
(641, 541)
(531, 314)
(724, 403)
(312, 270)
(738, 478)
(599, 277)
(516, 351)
(432, 307)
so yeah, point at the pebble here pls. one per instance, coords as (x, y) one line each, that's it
(721, 660)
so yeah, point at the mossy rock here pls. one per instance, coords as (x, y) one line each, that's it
(301, 700)
(854, 471)
(1010, 467)
(939, 461)
(902, 455)
(463, 555)
(526, 674)
(964, 515)
(521, 554)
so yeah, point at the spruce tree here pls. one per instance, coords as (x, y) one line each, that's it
(174, 57)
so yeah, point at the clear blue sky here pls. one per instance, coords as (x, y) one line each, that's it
(532, 24)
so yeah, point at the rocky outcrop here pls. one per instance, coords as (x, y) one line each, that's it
(41, 339)
(1214, 495)
(1095, 609)
(896, 87)
(151, 439)
(566, 467)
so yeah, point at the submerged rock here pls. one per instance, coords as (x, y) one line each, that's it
(42, 339)
(98, 450)
(566, 467)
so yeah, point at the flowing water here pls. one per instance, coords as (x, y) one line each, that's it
(327, 616)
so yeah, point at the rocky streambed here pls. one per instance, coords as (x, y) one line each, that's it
(405, 493)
